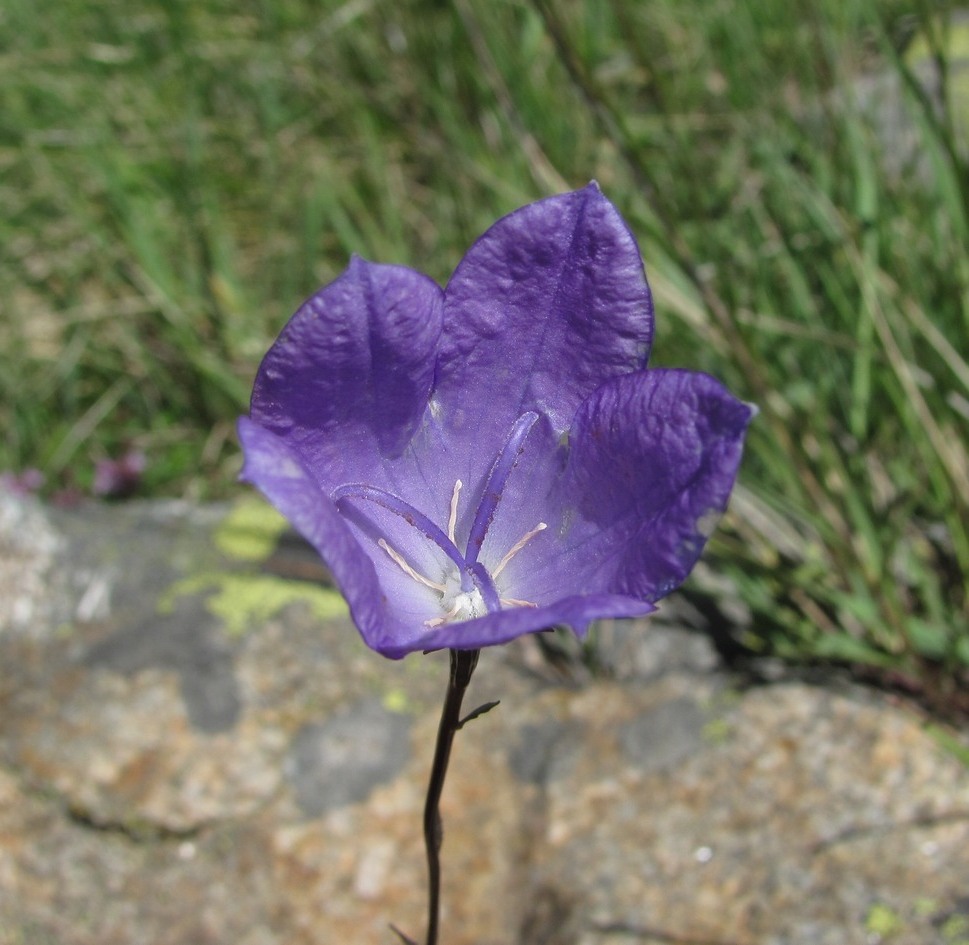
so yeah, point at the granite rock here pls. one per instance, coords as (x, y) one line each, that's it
(197, 749)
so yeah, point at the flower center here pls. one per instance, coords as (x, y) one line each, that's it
(464, 605)
(467, 589)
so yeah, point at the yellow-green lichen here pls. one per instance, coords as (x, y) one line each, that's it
(924, 906)
(250, 531)
(242, 601)
(396, 700)
(955, 929)
(717, 731)
(882, 922)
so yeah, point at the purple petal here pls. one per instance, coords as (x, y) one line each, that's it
(576, 612)
(347, 381)
(653, 459)
(545, 306)
(387, 606)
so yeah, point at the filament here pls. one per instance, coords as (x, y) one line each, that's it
(408, 570)
(411, 516)
(524, 540)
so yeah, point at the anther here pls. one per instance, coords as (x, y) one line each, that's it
(524, 540)
(453, 517)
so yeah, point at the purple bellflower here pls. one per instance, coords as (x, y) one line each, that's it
(493, 459)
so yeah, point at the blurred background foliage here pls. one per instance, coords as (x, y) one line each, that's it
(176, 175)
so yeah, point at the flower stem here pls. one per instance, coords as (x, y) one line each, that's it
(463, 663)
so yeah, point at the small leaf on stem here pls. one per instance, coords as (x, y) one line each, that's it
(406, 939)
(481, 710)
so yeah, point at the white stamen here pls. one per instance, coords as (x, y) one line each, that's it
(408, 570)
(453, 517)
(515, 602)
(524, 540)
(466, 606)
(440, 621)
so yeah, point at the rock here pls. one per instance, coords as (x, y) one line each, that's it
(197, 749)
(28, 546)
(340, 761)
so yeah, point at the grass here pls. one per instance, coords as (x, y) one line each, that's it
(177, 176)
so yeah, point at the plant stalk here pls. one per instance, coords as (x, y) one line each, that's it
(463, 663)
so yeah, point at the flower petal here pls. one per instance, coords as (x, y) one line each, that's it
(547, 304)
(653, 458)
(388, 607)
(347, 381)
(576, 612)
